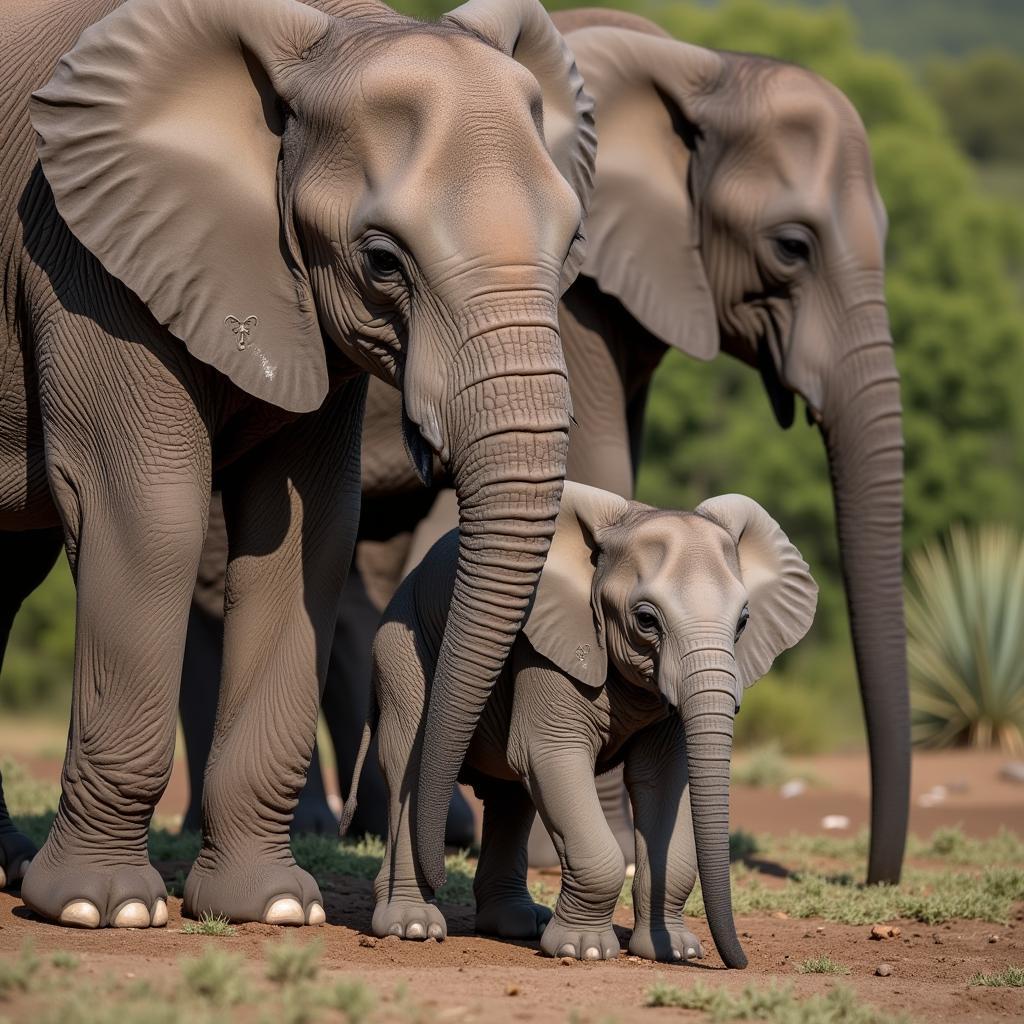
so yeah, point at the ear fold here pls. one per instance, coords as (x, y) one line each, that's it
(160, 134)
(562, 623)
(782, 592)
(523, 30)
(643, 236)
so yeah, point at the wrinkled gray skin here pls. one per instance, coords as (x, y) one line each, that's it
(645, 630)
(305, 198)
(735, 210)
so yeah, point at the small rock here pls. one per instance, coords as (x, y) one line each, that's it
(835, 821)
(635, 959)
(808, 935)
(511, 989)
(938, 939)
(392, 940)
(993, 938)
(795, 787)
(781, 915)
(1012, 772)
(820, 929)
(883, 970)
(885, 931)
(566, 961)
(367, 941)
(747, 935)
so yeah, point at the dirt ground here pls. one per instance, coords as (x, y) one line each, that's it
(468, 978)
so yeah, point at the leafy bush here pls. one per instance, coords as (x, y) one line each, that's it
(965, 622)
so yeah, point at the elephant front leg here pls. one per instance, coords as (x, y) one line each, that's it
(134, 505)
(291, 508)
(666, 861)
(593, 869)
(504, 906)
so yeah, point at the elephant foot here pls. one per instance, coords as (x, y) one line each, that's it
(674, 943)
(16, 852)
(409, 919)
(512, 918)
(79, 892)
(277, 893)
(561, 939)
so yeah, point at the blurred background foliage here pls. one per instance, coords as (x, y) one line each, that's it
(939, 84)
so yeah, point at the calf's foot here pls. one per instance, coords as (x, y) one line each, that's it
(512, 918)
(409, 919)
(671, 943)
(563, 939)
(16, 852)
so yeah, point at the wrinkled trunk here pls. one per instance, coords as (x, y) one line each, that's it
(707, 711)
(861, 425)
(509, 439)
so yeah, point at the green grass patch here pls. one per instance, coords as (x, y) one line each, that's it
(20, 973)
(352, 999)
(216, 978)
(822, 965)
(209, 924)
(778, 1005)
(64, 960)
(766, 767)
(290, 961)
(1012, 977)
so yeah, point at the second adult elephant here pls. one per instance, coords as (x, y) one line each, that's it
(735, 210)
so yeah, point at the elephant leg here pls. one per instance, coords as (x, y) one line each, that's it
(131, 478)
(291, 508)
(593, 869)
(405, 901)
(615, 807)
(26, 558)
(666, 859)
(504, 906)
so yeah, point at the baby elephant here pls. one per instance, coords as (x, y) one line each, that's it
(645, 629)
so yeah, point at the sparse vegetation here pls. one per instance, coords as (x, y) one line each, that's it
(1012, 977)
(18, 974)
(64, 960)
(965, 640)
(778, 1005)
(353, 1000)
(822, 965)
(766, 766)
(216, 977)
(209, 924)
(291, 961)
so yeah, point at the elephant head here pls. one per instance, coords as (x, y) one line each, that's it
(735, 208)
(693, 606)
(290, 188)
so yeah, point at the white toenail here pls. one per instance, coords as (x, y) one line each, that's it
(690, 951)
(395, 929)
(567, 950)
(676, 955)
(316, 914)
(591, 953)
(3, 879)
(435, 931)
(80, 914)
(286, 910)
(132, 915)
(414, 931)
(158, 918)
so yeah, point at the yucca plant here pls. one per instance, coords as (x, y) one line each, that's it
(965, 640)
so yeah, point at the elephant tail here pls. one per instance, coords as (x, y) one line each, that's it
(349, 809)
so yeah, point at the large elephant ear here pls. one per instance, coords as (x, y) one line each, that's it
(782, 594)
(160, 135)
(563, 623)
(643, 236)
(523, 30)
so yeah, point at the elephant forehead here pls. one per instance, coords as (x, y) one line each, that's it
(673, 551)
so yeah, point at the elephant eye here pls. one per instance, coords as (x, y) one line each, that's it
(646, 620)
(383, 262)
(793, 249)
(742, 622)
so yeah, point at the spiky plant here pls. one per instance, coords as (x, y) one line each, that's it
(965, 640)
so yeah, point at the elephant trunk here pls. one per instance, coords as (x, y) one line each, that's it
(707, 709)
(861, 425)
(509, 430)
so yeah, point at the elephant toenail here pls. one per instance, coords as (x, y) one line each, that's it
(591, 953)
(285, 910)
(3, 879)
(567, 949)
(395, 929)
(435, 931)
(158, 916)
(676, 955)
(415, 931)
(132, 915)
(316, 914)
(690, 952)
(80, 914)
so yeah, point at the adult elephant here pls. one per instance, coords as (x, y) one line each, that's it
(238, 209)
(735, 210)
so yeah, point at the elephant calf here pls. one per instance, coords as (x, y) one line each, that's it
(645, 629)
